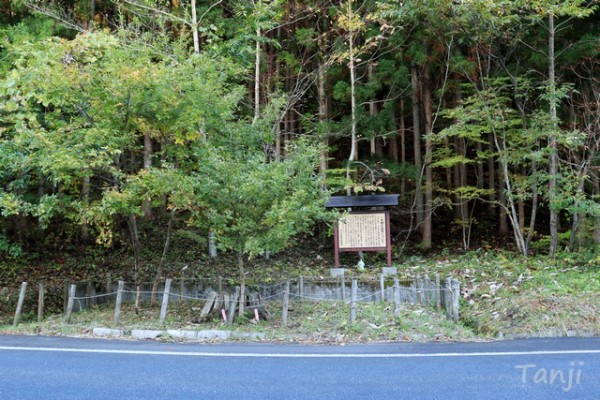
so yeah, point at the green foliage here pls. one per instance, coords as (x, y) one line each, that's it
(254, 205)
(8, 249)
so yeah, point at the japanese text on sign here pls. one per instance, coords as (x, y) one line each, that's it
(363, 231)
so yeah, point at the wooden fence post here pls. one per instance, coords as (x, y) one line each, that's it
(232, 304)
(455, 299)
(72, 290)
(181, 288)
(396, 298)
(427, 289)
(20, 304)
(165, 301)
(286, 303)
(353, 301)
(419, 288)
(108, 283)
(118, 302)
(41, 294)
(448, 297)
(301, 287)
(90, 301)
(66, 296)
(438, 292)
(382, 287)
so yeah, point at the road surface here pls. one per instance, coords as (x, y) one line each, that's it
(66, 368)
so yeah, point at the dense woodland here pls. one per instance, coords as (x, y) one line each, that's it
(228, 123)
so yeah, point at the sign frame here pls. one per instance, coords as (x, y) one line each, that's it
(388, 243)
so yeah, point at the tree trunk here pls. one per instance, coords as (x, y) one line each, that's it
(136, 247)
(92, 13)
(375, 146)
(460, 180)
(323, 109)
(480, 169)
(257, 54)
(521, 203)
(163, 257)
(85, 197)
(354, 141)
(240, 260)
(394, 145)
(428, 109)
(502, 213)
(146, 204)
(195, 29)
(553, 162)
(416, 114)
(596, 185)
(492, 177)
(507, 192)
(352, 66)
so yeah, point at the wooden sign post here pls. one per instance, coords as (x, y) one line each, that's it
(363, 230)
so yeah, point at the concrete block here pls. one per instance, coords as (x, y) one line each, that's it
(182, 334)
(145, 334)
(106, 332)
(389, 271)
(248, 335)
(213, 334)
(337, 272)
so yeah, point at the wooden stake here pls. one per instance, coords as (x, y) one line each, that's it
(165, 301)
(382, 287)
(455, 299)
(72, 290)
(89, 288)
(232, 305)
(118, 302)
(448, 297)
(20, 304)
(66, 296)
(301, 287)
(353, 301)
(438, 293)
(41, 294)
(397, 298)
(427, 289)
(286, 303)
(108, 282)
(419, 287)
(209, 304)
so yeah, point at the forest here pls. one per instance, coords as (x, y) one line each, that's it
(126, 124)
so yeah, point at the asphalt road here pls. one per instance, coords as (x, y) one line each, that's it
(65, 368)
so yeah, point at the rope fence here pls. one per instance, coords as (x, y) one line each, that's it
(443, 294)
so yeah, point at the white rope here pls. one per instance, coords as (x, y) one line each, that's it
(95, 296)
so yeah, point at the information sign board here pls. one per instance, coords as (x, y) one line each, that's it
(363, 231)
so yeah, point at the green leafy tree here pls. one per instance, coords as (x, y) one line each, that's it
(253, 204)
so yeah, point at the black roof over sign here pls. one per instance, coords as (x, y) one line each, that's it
(371, 200)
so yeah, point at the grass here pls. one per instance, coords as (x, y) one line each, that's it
(502, 294)
(308, 322)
